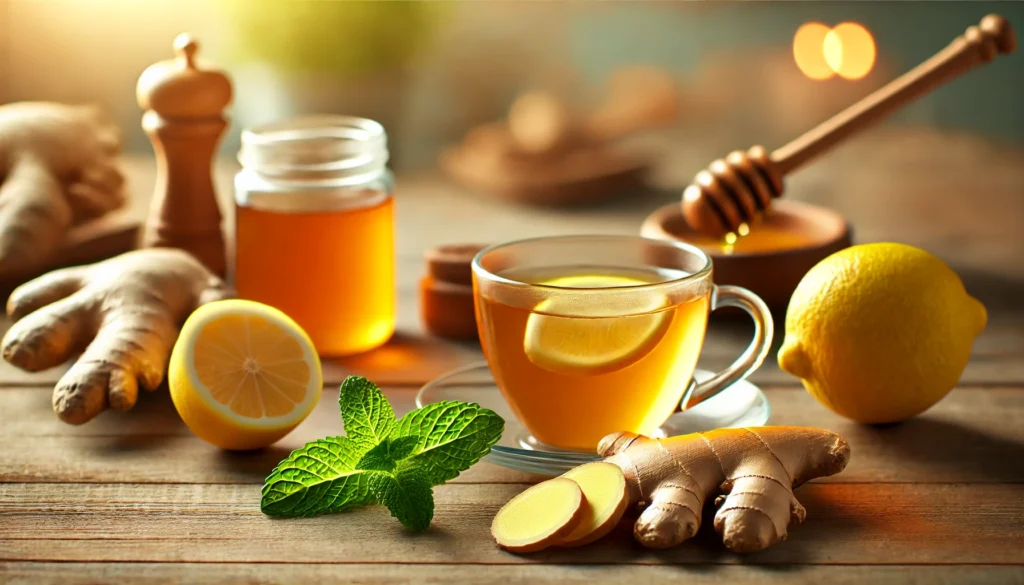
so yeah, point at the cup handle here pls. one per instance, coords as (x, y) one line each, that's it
(750, 359)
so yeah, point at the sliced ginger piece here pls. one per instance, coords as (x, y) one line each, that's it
(606, 495)
(540, 516)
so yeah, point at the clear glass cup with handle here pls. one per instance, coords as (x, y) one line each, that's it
(588, 335)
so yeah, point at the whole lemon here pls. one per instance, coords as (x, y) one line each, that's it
(880, 332)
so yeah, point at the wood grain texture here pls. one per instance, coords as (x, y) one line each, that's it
(134, 497)
(22, 573)
(862, 523)
(968, 437)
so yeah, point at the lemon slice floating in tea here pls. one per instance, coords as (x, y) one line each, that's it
(243, 374)
(567, 336)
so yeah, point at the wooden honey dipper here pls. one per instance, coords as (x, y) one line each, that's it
(736, 190)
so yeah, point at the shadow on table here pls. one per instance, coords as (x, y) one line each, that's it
(146, 427)
(827, 514)
(929, 441)
(253, 466)
(996, 291)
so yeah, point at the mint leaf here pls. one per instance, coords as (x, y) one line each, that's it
(407, 494)
(385, 456)
(319, 478)
(384, 460)
(451, 437)
(377, 459)
(402, 447)
(367, 415)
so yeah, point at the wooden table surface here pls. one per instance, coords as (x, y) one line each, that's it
(134, 497)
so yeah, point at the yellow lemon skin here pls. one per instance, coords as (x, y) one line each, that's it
(880, 332)
(194, 406)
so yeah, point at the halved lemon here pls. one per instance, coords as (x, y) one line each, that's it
(567, 336)
(243, 374)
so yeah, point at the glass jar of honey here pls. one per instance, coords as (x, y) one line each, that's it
(314, 228)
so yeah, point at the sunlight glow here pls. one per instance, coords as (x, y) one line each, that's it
(850, 50)
(808, 44)
(847, 50)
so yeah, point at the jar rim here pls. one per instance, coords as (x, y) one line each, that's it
(321, 144)
(315, 126)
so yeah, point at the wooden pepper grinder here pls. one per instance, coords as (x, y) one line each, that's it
(184, 119)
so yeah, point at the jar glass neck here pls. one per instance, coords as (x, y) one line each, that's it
(327, 150)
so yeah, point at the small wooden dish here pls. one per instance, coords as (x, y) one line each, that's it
(772, 275)
(93, 241)
(586, 177)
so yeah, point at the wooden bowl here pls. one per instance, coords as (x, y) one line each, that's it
(583, 178)
(810, 234)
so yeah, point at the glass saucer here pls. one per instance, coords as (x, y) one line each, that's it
(740, 405)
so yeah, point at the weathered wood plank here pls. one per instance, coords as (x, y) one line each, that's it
(18, 573)
(28, 412)
(150, 459)
(847, 524)
(973, 435)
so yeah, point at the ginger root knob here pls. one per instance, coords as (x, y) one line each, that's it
(756, 468)
(125, 313)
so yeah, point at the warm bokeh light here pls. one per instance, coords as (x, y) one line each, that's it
(808, 44)
(850, 50)
(847, 50)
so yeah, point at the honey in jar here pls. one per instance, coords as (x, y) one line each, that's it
(314, 229)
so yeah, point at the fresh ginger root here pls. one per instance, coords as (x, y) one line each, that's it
(124, 312)
(757, 468)
(540, 516)
(58, 167)
(671, 478)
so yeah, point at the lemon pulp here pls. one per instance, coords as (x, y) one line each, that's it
(242, 374)
(567, 334)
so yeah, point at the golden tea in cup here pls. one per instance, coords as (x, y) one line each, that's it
(588, 335)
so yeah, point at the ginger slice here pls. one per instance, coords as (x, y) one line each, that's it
(604, 489)
(540, 516)
(756, 468)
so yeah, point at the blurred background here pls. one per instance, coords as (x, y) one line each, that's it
(430, 71)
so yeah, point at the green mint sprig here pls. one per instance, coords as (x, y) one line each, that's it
(383, 460)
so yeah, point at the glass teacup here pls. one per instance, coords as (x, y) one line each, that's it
(588, 335)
